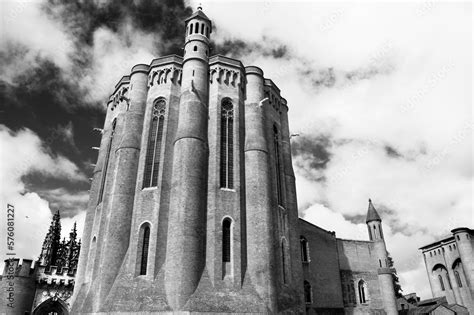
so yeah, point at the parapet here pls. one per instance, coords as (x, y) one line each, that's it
(20, 270)
(254, 70)
(462, 230)
(53, 275)
(226, 61)
(166, 60)
(143, 68)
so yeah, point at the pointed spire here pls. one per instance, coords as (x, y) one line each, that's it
(52, 241)
(372, 214)
(198, 14)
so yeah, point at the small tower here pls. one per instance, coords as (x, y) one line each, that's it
(374, 225)
(51, 242)
(185, 255)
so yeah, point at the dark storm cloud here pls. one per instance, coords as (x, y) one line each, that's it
(237, 48)
(42, 100)
(49, 99)
(316, 147)
(311, 154)
(82, 18)
(70, 203)
(392, 152)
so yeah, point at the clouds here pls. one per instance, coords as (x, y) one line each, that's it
(381, 96)
(23, 153)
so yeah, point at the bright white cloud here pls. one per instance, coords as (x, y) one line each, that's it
(113, 55)
(24, 24)
(22, 152)
(409, 89)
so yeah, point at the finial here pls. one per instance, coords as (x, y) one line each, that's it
(199, 6)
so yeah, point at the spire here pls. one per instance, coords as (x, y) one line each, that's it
(52, 241)
(198, 14)
(372, 214)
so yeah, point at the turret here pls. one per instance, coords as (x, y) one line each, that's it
(262, 263)
(185, 255)
(122, 192)
(463, 237)
(374, 225)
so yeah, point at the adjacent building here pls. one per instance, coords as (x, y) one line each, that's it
(449, 263)
(46, 287)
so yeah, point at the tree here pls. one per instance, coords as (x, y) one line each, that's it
(396, 283)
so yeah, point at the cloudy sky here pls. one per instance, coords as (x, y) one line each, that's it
(380, 94)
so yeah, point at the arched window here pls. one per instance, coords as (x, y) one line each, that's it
(283, 260)
(190, 29)
(202, 29)
(304, 249)
(458, 279)
(308, 293)
(143, 244)
(380, 263)
(362, 292)
(155, 141)
(441, 283)
(276, 144)
(207, 31)
(106, 162)
(195, 49)
(226, 240)
(227, 144)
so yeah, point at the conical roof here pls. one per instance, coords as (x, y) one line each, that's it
(372, 214)
(198, 13)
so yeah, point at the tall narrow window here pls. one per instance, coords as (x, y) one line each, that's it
(227, 144)
(449, 281)
(304, 249)
(458, 279)
(308, 293)
(352, 297)
(441, 283)
(143, 248)
(106, 162)
(276, 142)
(362, 293)
(226, 239)
(283, 260)
(155, 141)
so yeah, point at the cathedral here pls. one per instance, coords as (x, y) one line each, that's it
(193, 202)
(193, 206)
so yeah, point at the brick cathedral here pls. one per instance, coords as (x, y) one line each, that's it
(193, 202)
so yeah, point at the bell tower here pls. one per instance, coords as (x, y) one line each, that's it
(185, 258)
(374, 225)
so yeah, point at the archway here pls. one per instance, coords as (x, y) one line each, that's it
(52, 306)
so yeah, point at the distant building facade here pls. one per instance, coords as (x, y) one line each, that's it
(47, 287)
(193, 202)
(449, 263)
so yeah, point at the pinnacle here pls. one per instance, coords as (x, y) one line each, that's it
(372, 214)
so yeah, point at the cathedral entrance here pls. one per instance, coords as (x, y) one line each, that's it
(51, 306)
